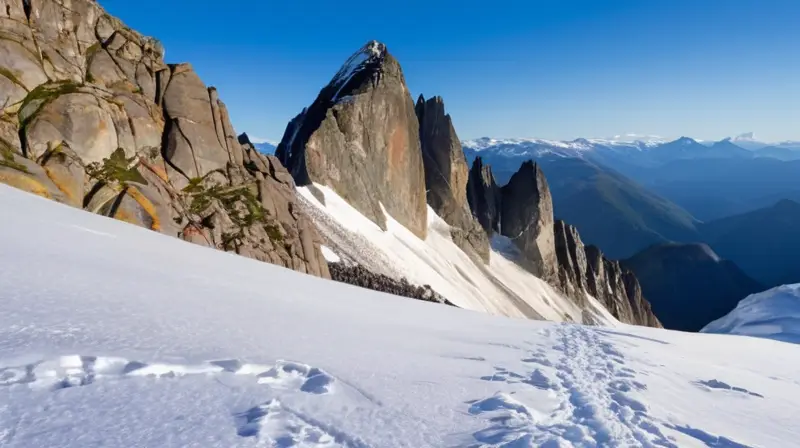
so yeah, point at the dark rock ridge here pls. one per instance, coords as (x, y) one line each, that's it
(358, 275)
(360, 137)
(680, 277)
(483, 196)
(446, 175)
(91, 116)
(553, 250)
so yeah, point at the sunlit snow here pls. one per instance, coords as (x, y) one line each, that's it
(113, 335)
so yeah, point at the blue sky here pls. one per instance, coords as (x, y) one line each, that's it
(538, 68)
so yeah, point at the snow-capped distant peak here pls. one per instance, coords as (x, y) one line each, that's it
(637, 138)
(258, 141)
(745, 137)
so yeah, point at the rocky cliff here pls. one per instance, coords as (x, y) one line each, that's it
(361, 138)
(94, 118)
(446, 176)
(553, 250)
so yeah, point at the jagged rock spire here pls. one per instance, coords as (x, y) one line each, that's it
(446, 176)
(483, 196)
(360, 137)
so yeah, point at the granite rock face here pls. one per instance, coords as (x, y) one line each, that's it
(91, 116)
(446, 176)
(526, 217)
(361, 138)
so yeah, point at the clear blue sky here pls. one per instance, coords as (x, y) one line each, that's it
(538, 68)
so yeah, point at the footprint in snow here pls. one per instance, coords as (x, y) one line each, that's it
(75, 371)
(710, 385)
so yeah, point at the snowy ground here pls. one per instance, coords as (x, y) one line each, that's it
(112, 335)
(773, 314)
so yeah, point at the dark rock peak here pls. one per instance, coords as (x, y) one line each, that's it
(483, 196)
(526, 216)
(528, 183)
(244, 139)
(447, 176)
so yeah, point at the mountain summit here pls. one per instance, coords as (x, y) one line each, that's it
(361, 138)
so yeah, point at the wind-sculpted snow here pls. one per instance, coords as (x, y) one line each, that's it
(773, 314)
(112, 335)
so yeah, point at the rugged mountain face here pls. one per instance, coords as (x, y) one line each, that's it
(681, 277)
(483, 196)
(553, 249)
(584, 270)
(361, 138)
(94, 118)
(526, 217)
(446, 176)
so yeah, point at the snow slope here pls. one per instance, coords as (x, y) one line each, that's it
(501, 287)
(112, 335)
(773, 314)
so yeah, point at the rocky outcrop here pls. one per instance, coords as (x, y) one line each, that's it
(552, 250)
(360, 276)
(94, 118)
(526, 217)
(446, 176)
(584, 270)
(360, 137)
(483, 196)
(572, 263)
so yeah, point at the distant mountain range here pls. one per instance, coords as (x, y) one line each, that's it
(625, 196)
(265, 147)
(638, 150)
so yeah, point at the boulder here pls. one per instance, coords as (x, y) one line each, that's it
(67, 113)
(193, 145)
(361, 138)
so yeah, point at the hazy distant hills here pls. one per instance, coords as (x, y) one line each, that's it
(612, 211)
(676, 278)
(765, 243)
(715, 188)
(265, 147)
